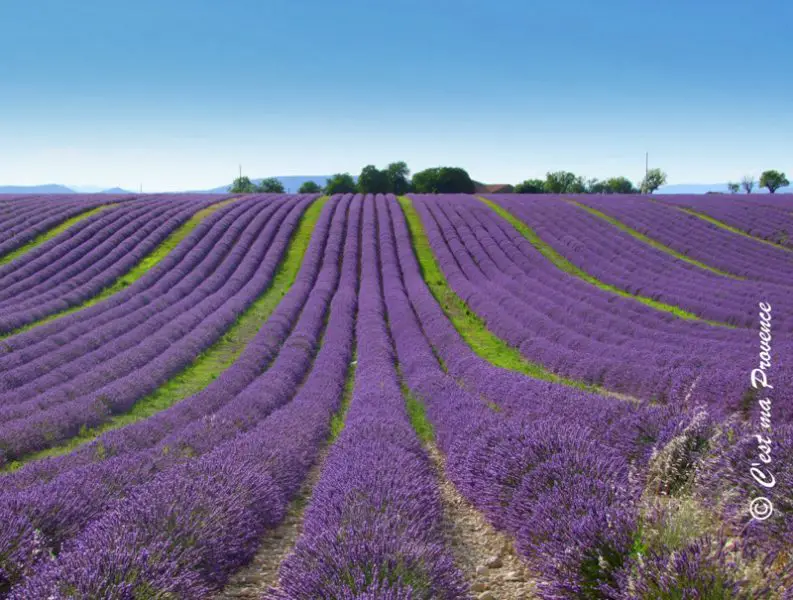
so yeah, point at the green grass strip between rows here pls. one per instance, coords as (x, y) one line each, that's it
(337, 422)
(48, 235)
(730, 228)
(653, 243)
(216, 359)
(467, 323)
(565, 265)
(147, 263)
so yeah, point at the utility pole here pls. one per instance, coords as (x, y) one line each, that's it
(240, 171)
(646, 169)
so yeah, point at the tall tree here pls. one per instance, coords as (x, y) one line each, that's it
(734, 188)
(443, 180)
(373, 181)
(654, 179)
(748, 183)
(271, 186)
(398, 177)
(243, 185)
(309, 187)
(340, 183)
(620, 185)
(564, 182)
(773, 180)
(530, 186)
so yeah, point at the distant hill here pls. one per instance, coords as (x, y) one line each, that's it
(291, 183)
(50, 188)
(116, 190)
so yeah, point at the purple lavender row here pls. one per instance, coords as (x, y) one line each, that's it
(485, 248)
(38, 215)
(254, 360)
(26, 372)
(45, 216)
(15, 216)
(757, 218)
(542, 339)
(30, 270)
(178, 264)
(44, 254)
(18, 273)
(698, 239)
(82, 274)
(61, 507)
(64, 363)
(552, 475)
(242, 486)
(631, 431)
(373, 527)
(115, 385)
(510, 390)
(617, 258)
(483, 243)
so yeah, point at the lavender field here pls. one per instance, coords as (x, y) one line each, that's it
(376, 397)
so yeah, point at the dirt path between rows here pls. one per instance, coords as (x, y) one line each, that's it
(485, 556)
(256, 578)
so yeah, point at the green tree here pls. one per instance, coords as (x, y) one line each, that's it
(340, 183)
(271, 186)
(733, 187)
(243, 185)
(309, 187)
(748, 183)
(595, 186)
(654, 179)
(373, 181)
(564, 182)
(620, 185)
(773, 180)
(398, 177)
(530, 186)
(443, 180)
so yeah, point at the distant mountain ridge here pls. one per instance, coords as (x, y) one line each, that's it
(291, 183)
(50, 188)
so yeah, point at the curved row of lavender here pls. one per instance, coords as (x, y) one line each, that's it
(373, 528)
(758, 215)
(177, 264)
(573, 328)
(54, 501)
(221, 510)
(697, 238)
(617, 258)
(256, 358)
(28, 218)
(556, 477)
(247, 460)
(109, 368)
(76, 265)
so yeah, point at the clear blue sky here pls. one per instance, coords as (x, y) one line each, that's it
(175, 94)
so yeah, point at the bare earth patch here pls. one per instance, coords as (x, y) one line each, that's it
(485, 556)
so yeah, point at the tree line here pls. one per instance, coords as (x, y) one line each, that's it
(773, 180)
(395, 179)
